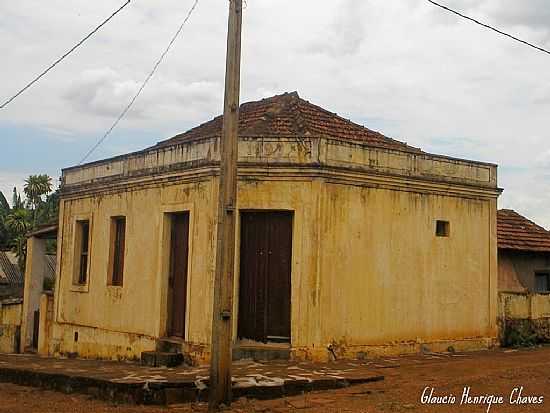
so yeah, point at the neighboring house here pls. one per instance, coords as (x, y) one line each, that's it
(11, 279)
(348, 242)
(523, 254)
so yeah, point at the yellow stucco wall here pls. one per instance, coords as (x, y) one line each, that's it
(386, 278)
(10, 325)
(45, 326)
(540, 304)
(524, 306)
(98, 312)
(368, 272)
(10, 314)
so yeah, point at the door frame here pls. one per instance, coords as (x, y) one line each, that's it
(164, 248)
(172, 308)
(237, 268)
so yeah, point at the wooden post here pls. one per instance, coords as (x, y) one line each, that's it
(222, 337)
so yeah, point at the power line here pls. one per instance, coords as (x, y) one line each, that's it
(489, 27)
(149, 76)
(37, 78)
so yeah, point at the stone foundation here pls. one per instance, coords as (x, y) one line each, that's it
(339, 351)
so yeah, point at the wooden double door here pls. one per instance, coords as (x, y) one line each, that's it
(265, 276)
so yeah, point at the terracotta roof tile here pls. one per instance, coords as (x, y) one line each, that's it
(515, 232)
(289, 115)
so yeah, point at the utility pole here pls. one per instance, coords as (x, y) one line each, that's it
(222, 321)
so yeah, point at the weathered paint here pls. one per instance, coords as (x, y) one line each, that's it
(305, 153)
(368, 273)
(11, 312)
(517, 269)
(35, 269)
(524, 306)
(508, 280)
(524, 316)
(10, 325)
(99, 312)
(45, 325)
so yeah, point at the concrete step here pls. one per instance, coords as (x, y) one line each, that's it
(170, 345)
(161, 359)
(261, 353)
(108, 380)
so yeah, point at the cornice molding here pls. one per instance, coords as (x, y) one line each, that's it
(288, 173)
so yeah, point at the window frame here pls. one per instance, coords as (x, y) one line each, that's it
(542, 273)
(76, 284)
(117, 251)
(84, 251)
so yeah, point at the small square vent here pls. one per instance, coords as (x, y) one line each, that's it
(442, 228)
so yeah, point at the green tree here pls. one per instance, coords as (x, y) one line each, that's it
(41, 207)
(4, 211)
(18, 223)
(49, 210)
(16, 200)
(37, 186)
(4, 206)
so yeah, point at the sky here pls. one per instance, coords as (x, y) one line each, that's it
(402, 67)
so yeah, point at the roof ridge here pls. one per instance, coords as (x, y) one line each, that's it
(288, 114)
(527, 219)
(252, 102)
(517, 232)
(352, 123)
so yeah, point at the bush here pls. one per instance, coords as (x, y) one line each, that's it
(519, 333)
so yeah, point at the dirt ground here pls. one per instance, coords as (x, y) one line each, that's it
(495, 373)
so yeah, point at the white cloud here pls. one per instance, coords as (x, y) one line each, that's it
(101, 92)
(104, 92)
(532, 13)
(527, 192)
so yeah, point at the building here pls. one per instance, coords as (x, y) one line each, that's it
(523, 254)
(348, 243)
(524, 280)
(11, 294)
(11, 279)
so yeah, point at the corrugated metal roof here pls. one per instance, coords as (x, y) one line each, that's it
(9, 272)
(11, 301)
(49, 271)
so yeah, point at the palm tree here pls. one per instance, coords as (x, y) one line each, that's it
(35, 187)
(18, 223)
